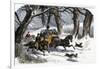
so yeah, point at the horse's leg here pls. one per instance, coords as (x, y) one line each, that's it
(64, 47)
(43, 52)
(33, 50)
(72, 46)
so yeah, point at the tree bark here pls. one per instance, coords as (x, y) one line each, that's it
(87, 23)
(49, 17)
(21, 29)
(57, 18)
(75, 21)
(77, 29)
(42, 16)
(17, 17)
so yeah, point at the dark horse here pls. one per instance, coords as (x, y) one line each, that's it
(63, 42)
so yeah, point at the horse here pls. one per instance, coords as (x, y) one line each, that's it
(63, 42)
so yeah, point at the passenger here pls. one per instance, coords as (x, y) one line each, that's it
(27, 35)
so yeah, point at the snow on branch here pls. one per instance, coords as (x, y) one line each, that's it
(41, 13)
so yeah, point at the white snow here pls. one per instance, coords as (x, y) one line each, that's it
(85, 55)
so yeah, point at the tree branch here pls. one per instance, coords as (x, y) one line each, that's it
(17, 17)
(17, 22)
(66, 10)
(80, 12)
(41, 13)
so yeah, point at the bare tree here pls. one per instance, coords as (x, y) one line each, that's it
(43, 15)
(56, 12)
(20, 30)
(87, 21)
(75, 21)
(49, 17)
(57, 19)
(74, 11)
(23, 26)
(17, 18)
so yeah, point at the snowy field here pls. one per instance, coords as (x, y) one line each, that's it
(85, 54)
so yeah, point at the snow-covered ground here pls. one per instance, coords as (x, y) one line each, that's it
(85, 54)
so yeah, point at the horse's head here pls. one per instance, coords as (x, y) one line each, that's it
(69, 37)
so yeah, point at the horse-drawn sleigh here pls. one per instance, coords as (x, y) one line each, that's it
(45, 40)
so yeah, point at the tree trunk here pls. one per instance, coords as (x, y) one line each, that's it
(77, 29)
(21, 29)
(75, 22)
(87, 23)
(57, 18)
(17, 18)
(49, 17)
(43, 16)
